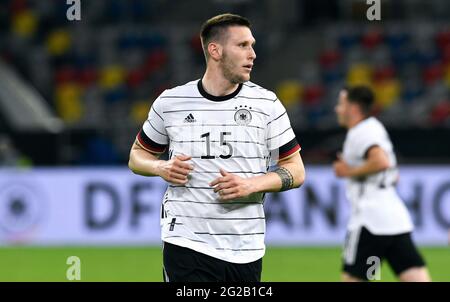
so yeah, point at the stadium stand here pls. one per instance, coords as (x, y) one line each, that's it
(100, 76)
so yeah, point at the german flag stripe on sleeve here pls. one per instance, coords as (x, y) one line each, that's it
(149, 144)
(289, 148)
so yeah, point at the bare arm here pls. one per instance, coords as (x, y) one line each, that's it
(230, 186)
(377, 160)
(271, 182)
(146, 163)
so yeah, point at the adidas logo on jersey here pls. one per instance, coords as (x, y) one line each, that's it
(190, 119)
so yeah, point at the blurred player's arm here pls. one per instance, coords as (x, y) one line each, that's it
(289, 175)
(147, 163)
(376, 161)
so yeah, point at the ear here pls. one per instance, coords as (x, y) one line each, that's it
(215, 51)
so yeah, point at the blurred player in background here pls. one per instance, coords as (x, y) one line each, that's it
(379, 224)
(221, 132)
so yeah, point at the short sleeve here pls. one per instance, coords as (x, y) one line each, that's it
(279, 131)
(367, 139)
(153, 135)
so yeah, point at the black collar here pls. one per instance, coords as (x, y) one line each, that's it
(217, 98)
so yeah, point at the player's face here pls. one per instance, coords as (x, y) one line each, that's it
(238, 54)
(342, 109)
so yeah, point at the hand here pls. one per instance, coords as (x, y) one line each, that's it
(176, 170)
(231, 186)
(341, 169)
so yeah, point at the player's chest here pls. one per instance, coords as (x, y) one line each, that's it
(237, 118)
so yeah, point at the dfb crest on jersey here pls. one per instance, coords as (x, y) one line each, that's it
(243, 117)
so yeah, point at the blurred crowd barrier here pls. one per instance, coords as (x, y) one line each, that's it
(112, 206)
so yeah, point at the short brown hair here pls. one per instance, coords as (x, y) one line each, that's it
(361, 95)
(214, 28)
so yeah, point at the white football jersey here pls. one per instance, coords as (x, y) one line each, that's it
(239, 133)
(375, 203)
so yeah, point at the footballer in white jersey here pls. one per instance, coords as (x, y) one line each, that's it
(380, 225)
(221, 132)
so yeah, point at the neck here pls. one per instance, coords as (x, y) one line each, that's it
(215, 83)
(355, 121)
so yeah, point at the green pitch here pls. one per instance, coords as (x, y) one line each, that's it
(144, 264)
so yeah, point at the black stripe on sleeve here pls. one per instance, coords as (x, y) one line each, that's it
(366, 153)
(288, 148)
(149, 144)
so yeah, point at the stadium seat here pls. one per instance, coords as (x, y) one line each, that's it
(443, 39)
(447, 76)
(383, 73)
(289, 92)
(359, 74)
(127, 41)
(313, 94)
(196, 44)
(446, 55)
(403, 56)
(139, 111)
(135, 78)
(112, 76)
(99, 151)
(397, 39)
(152, 41)
(441, 113)
(372, 39)
(380, 56)
(87, 76)
(331, 76)
(315, 114)
(65, 74)
(58, 42)
(347, 40)
(24, 23)
(138, 9)
(116, 94)
(428, 56)
(68, 102)
(329, 58)
(155, 60)
(432, 73)
(18, 6)
(412, 90)
(387, 93)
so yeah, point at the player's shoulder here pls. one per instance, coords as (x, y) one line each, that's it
(370, 127)
(373, 124)
(253, 90)
(184, 90)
